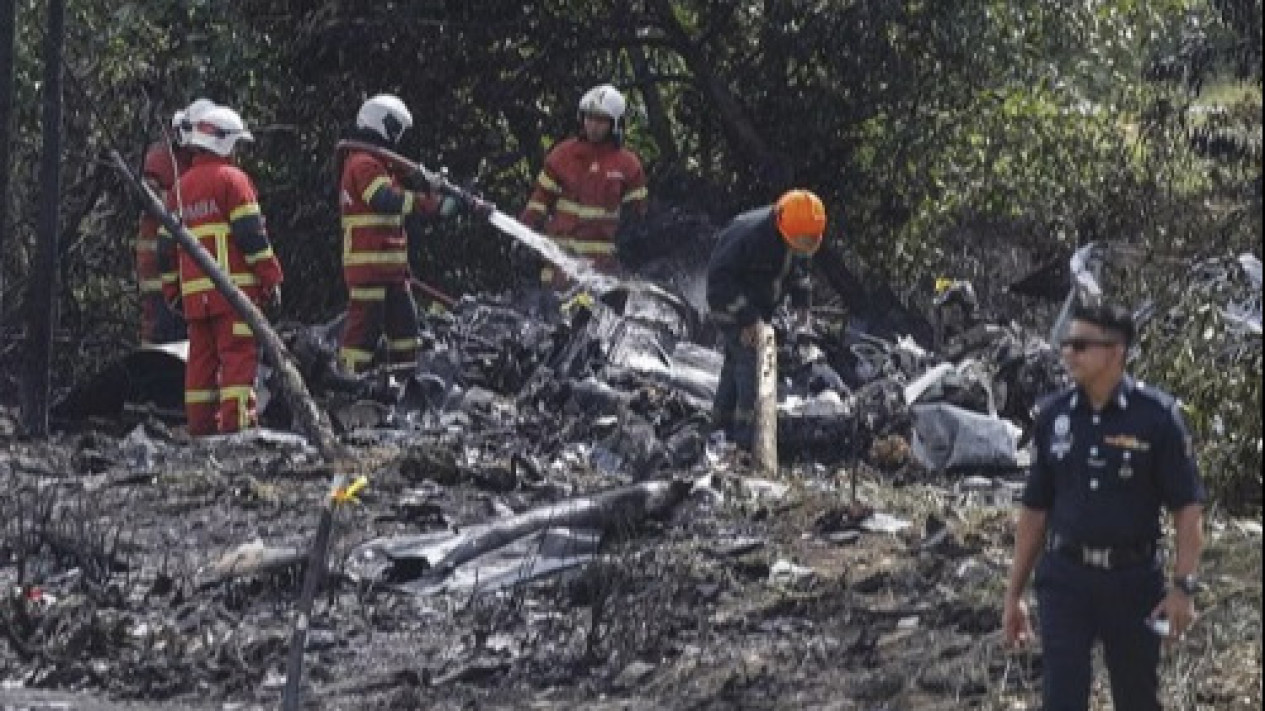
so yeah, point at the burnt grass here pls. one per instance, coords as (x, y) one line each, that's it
(107, 602)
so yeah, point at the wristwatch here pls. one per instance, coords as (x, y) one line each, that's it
(1188, 584)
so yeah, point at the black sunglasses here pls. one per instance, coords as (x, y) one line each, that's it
(1080, 344)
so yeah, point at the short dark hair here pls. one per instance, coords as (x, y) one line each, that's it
(1109, 317)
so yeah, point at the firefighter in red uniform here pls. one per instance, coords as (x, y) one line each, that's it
(374, 206)
(160, 323)
(218, 204)
(589, 184)
(164, 162)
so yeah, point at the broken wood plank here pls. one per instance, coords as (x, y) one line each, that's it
(764, 427)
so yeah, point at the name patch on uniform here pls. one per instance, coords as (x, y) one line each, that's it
(200, 210)
(1061, 443)
(1127, 442)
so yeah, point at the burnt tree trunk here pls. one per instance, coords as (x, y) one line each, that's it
(774, 169)
(8, 34)
(656, 113)
(41, 307)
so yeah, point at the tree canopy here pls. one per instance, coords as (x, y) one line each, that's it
(933, 131)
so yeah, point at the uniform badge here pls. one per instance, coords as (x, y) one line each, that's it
(1061, 443)
(1126, 468)
(1127, 442)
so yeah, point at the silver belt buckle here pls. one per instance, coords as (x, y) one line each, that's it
(1097, 557)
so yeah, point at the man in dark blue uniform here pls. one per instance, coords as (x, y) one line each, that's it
(1109, 453)
(759, 257)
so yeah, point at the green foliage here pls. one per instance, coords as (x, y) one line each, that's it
(1193, 349)
(1041, 124)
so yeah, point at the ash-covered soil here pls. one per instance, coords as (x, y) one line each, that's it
(750, 594)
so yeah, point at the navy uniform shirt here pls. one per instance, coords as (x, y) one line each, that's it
(751, 269)
(1103, 477)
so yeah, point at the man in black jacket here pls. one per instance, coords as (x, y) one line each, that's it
(759, 257)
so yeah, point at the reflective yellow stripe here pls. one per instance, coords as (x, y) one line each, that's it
(408, 203)
(402, 344)
(377, 183)
(585, 211)
(356, 259)
(151, 285)
(240, 393)
(351, 222)
(170, 278)
(536, 206)
(352, 358)
(241, 328)
(220, 231)
(197, 286)
(235, 392)
(261, 255)
(586, 247)
(210, 229)
(547, 182)
(250, 208)
(369, 293)
(198, 397)
(638, 194)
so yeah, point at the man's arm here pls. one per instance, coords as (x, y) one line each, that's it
(1188, 522)
(1029, 540)
(1177, 606)
(544, 194)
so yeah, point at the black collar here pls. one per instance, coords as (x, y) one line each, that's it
(1119, 398)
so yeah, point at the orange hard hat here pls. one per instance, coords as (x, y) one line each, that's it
(160, 165)
(801, 220)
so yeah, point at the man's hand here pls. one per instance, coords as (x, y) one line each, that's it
(750, 335)
(1015, 623)
(1179, 609)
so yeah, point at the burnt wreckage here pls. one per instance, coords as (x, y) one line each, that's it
(625, 380)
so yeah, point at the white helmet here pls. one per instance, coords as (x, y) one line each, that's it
(218, 130)
(605, 100)
(386, 116)
(182, 121)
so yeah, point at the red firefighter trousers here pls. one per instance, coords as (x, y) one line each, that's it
(371, 310)
(219, 381)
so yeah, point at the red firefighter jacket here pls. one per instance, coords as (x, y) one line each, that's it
(374, 205)
(581, 192)
(162, 165)
(220, 207)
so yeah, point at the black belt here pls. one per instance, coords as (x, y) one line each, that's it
(1104, 557)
